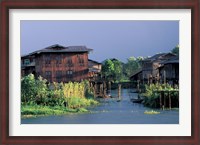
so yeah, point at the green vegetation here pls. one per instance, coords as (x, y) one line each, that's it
(39, 110)
(117, 71)
(112, 70)
(175, 50)
(40, 98)
(132, 65)
(151, 112)
(151, 94)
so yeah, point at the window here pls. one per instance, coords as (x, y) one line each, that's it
(69, 62)
(59, 76)
(58, 60)
(47, 60)
(69, 73)
(26, 61)
(80, 60)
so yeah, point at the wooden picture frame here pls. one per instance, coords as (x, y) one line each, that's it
(99, 4)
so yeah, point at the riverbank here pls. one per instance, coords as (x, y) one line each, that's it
(28, 111)
(41, 98)
(110, 111)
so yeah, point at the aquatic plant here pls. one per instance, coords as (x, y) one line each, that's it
(152, 94)
(151, 112)
(39, 110)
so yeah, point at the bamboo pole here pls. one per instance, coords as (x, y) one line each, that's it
(101, 89)
(160, 99)
(104, 89)
(119, 91)
(164, 99)
(95, 90)
(169, 101)
(109, 85)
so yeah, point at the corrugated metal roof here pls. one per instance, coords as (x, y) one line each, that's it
(158, 56)
(172, 60)
(137, 72)
(26, 56)
(94, 61)
(62, 49)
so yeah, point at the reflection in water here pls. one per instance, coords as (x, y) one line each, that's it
(112, 112)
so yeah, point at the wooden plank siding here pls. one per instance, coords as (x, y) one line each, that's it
(171, 73)
(152, 69)
(58, 63)
(62, 67)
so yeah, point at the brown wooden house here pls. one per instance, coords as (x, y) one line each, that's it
(57, 63)
(94, 69)
(150, 68)
(27, 65)
(169, 71)
(137, 76)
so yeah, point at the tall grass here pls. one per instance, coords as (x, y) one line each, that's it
(72, 95)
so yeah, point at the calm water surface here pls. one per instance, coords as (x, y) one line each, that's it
(112, 112)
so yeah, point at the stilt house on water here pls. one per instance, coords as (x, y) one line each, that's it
(57, 63)
(94, 69)
(153, 69)
(169, 71)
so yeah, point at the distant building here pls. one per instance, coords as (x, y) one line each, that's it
(169, 71)
(57, 63)
(94, 68)
(137, 76)
(149, 73)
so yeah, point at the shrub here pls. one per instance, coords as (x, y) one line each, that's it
(71, 95)
(41, 91)
(28, 89)
(151, 94)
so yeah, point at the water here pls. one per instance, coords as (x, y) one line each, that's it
(112, 112)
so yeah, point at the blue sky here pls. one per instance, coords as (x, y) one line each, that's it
(108, 39)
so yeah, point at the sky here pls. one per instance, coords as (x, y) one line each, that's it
(119, 39)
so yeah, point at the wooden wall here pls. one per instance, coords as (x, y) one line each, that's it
(63, 67)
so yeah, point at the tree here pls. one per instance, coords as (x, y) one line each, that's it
(118, 70)
(28, 89)
(175, 50)
(112, 69)
(132, 65)
(107, 68)
(41, 90)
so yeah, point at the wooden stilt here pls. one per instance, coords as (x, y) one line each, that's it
(164, 99)
(169, 101)
(101, 90)
(95, 90)
(119, 91)
(164, 77)
(109, 86)
(161, 100)
(104, 89)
